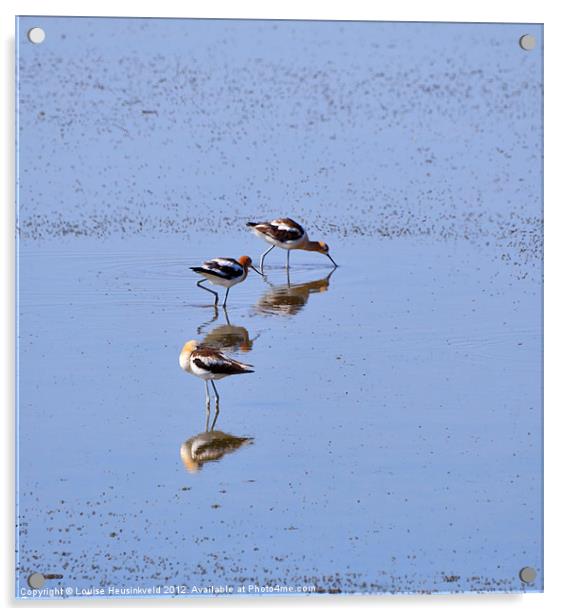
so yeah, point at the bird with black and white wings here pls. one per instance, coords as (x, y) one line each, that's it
(225, 272)
(287, 234)
(282, 232)
(223, 268)
(210, 365)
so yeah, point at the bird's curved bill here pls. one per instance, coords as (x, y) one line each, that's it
(257, 271)
(332, 260)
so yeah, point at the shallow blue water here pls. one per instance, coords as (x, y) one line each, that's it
(395, 413)
(390, 436)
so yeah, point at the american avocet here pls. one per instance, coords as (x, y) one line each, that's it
(225, 272)
(209, 446)
(287, 234)
(209, 365)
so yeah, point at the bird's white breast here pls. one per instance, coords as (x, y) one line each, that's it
(185, 361)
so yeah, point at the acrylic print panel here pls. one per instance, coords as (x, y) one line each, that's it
(389, 438)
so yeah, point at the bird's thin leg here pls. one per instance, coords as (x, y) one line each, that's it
(263, 257)
(207, 406)
(217, 411)
(287, 262)
(207, 397)
(225, 297)
(216, 392)
(207, 323)
(287, 272)
(226, 315)
(209, 290)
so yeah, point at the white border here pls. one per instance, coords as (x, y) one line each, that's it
(544, 11)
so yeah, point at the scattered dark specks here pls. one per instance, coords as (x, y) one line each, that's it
(451, 578)
(449, 203)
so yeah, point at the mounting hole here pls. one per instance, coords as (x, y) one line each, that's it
(528, 575)
(36, 35)
(36, 580)
(527, 42)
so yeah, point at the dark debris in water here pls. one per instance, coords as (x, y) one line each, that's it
(187, 147)
(105, 565)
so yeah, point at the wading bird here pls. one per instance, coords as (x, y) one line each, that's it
(224, 272)
(287, 234)
(209, 365)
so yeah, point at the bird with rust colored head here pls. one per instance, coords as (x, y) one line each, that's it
(289, 235)
(224, 272)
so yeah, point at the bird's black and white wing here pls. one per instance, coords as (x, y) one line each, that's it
(214, 362)
(284, 230)
(221, 267)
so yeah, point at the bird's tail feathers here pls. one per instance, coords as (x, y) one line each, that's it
(244, 367)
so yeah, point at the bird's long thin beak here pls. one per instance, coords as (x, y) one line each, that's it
(332, 260)
(257, 271)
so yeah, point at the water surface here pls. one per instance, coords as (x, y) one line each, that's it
(389, 439)
(392, 424)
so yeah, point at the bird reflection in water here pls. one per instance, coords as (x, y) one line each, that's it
(288, 299)
(226, 337)
(209, 446)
